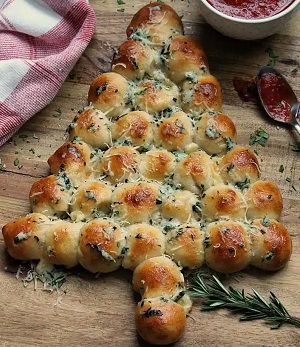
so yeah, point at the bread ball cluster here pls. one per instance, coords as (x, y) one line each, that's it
(152, 180)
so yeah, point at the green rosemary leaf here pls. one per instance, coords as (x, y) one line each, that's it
(252, 306)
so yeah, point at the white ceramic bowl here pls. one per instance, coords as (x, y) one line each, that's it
(247, 29)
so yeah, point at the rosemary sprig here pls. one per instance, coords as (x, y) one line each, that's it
(252, 306)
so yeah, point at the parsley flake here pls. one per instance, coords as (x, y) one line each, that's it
(281, 168)
(260, 137)
(272, 57)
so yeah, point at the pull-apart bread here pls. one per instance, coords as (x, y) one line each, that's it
(152, 179)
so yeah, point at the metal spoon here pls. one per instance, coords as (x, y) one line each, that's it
(289, 98)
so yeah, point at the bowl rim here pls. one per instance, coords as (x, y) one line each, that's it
(290, 8)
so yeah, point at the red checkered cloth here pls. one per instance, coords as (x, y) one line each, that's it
(40, 42)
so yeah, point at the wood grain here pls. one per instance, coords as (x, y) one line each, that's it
(100, 312)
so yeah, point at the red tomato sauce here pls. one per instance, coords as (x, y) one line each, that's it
(246, 89)
(250, 9)
(276, 96)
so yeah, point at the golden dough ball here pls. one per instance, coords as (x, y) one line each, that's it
(93, 127)
(119, 164)
(92, 199)
(109, 93)
(264, 199)
(101, 246)
(72, 161)
(160, 321)
(25, 237)
(223, 201)
(61, 241)
(185, 59)
(50, 196)
(196, 172)
(271, 244)
(227, 248)
(154, 96)
(144, 241)
(185, 245)
(182, 205)
(158, 276)
(203, 95)
(136, 202)
(175, 132)
(133, 60)
(214, 132)
(135, 127)
(157, 164)
(239, 167)
(155, 24)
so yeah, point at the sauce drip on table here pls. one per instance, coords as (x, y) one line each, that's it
(246, 89)
(276, 96)
(250, 9)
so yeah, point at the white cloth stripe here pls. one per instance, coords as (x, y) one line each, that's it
(32, 17)
(1, 3)
(12, 72)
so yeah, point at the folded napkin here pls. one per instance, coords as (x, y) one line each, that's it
(40, 42)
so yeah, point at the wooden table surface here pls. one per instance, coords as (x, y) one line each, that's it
(100, 312)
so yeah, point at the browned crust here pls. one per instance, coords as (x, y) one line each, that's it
(228, 248)
(144, 17)
(165, 326)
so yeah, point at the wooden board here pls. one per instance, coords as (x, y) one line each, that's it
(100, 312)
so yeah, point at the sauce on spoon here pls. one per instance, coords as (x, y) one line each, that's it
(276, 95)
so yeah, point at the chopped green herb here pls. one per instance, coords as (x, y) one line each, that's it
(91, 125)
(260, 137)
(139, 35)
(207, 242)
(167, 228)
(151, 313)
(124, 250)
(23, 137)
(230, 167)
(288, 179)
(294, 71)
(229, 143)
(21, 237)
(101, 89)
(141, 92)
(265, 221)
(211, 132)
(2, 166)
(269, 256)
(121, 9)
(272, 57)
(197, 207)
(17, 163)
(281, 168)
(243, 184)
(295, 148)
(89, 195)
(120, 2)
(191, 76)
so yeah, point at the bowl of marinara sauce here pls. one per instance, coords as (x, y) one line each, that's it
(248, 19)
